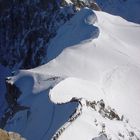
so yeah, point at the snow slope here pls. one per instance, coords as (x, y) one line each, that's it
(98, 58)
(91, 122)
(78, 29)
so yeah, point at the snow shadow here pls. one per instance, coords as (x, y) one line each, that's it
(78, 30)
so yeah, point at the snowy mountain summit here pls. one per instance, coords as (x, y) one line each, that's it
(88, 89)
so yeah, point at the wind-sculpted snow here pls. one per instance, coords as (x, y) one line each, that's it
(75, 88)
(103, 65)
(79, 29)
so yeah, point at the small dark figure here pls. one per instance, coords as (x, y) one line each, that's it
(102, 104)
(113, 115)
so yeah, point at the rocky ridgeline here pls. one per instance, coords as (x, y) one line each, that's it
(97, 106)
(105, 112)
(110, 113)
(90, 4)
(4, 135)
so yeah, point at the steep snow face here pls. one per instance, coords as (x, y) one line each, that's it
(94, 123)
(102, 64)
(77, 30)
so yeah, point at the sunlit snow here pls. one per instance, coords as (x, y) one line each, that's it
(95, 56)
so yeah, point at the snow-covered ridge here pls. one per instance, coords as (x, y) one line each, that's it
(92, 109)
(99, 66)
(104, 124)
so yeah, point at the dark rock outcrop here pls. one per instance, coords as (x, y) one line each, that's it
(13, 93)
(26, 28)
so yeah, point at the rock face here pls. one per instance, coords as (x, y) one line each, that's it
(4, 135)
(13, 93)
(90, 4)
(26, 28)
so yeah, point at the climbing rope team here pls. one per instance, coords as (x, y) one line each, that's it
(106, 112)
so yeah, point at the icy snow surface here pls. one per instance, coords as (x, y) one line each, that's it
(96, 57)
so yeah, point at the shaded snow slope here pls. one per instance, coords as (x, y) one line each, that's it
(104, 63)
(4, 72)
(77, 30)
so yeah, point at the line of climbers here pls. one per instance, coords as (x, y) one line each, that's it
(97, 106)
(105, 112)
(74, 116)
